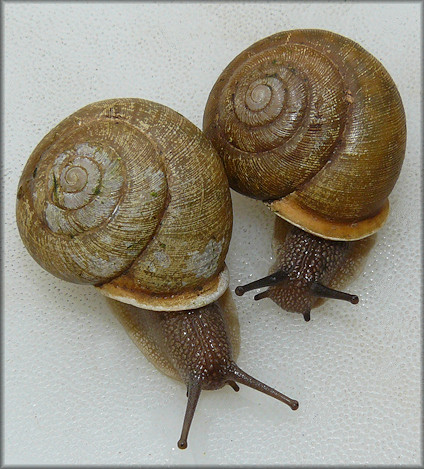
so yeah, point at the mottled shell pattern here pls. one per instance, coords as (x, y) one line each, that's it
(129, 196)
(313, 124)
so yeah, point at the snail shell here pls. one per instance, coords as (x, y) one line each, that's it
(129, 196)
(312, 123)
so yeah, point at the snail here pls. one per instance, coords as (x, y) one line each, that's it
(129, 196)
(313, 125)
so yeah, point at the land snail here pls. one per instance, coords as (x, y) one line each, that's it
(312, 124)
(129, 196)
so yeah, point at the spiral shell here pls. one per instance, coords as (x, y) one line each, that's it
(128, 195)
(310, 122)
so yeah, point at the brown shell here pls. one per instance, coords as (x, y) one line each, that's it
(310, 122)
(128, 195)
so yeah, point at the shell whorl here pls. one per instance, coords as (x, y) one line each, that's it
(127, 195)
(310, 120)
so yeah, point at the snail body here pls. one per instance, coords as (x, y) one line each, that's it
(129, 196)
(197, 347)
(313, 125)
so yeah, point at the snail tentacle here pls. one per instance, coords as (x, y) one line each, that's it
(193, 393)
(325, 292)
(272, 279)
(261, 296)
(242, 377)
(234, 385)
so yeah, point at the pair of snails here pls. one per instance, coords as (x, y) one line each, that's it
(129, 196)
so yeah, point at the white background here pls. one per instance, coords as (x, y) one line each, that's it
(76, 388)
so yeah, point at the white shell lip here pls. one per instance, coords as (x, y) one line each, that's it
(179, 302)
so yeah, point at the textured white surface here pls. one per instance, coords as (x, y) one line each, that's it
(77, 391)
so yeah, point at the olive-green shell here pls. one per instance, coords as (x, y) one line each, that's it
(311, 119)
(129, 193)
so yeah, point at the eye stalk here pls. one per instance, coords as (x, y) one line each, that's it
(326, 292)
(269, 280)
